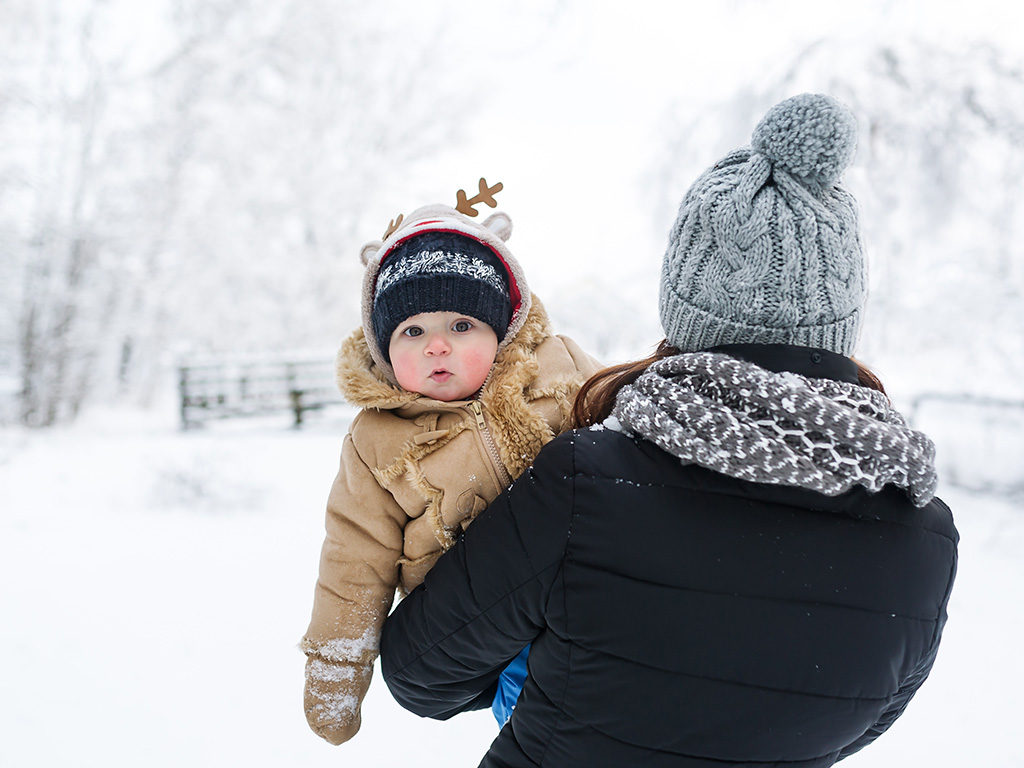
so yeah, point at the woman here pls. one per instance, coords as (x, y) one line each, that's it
(742, 562)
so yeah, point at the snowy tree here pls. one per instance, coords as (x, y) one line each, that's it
(303, 112)
(198, 182)
(55, 93)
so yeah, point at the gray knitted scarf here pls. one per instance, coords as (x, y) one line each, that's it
(781, 428)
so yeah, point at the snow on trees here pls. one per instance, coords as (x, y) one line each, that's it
(195, 184)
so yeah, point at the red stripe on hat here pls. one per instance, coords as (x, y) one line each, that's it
(515, 297)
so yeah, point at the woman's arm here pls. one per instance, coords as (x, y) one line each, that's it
(447, 642)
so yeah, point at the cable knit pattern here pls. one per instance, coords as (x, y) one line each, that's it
(739, 419)
(765, 248)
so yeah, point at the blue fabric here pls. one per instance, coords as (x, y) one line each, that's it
(510, 684)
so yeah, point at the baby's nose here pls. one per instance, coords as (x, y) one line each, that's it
(437, 345)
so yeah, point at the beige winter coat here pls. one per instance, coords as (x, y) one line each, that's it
(414, 471)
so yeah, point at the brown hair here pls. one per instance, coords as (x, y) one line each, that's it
(868, 378)
(596, 398)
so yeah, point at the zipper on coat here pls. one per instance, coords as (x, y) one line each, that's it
(492, 449)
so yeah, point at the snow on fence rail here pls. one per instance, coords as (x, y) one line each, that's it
(223, 390)
(979, 441)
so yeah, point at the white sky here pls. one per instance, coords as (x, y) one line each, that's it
(573, 136)
(583, 87)
(580, 95)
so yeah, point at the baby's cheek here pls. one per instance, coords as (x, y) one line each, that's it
(478, 364)
(405, 369)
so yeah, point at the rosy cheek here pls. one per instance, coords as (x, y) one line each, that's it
(479, 363)
(405, 370)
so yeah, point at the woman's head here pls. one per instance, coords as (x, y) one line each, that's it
(766, 246)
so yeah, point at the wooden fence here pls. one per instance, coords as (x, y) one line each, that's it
(223, 390)
(979, 440)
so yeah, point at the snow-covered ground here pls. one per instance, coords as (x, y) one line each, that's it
(154, 584)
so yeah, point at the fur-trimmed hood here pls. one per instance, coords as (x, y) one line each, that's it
(493, 233)
(533, 367)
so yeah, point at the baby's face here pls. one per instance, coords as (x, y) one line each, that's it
(443, 355)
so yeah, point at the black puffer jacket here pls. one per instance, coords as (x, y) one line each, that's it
(678, 617)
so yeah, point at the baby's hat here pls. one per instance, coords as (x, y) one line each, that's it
(440, 260)
(766, 246)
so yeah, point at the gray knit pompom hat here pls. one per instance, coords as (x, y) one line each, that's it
(766, 247)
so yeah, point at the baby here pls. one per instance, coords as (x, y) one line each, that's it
(461, 382)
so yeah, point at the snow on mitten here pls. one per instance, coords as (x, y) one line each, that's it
(333, 697)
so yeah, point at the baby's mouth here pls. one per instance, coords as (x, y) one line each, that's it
(441, 375)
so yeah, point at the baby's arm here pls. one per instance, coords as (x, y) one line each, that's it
(355, 590)
(585, 363)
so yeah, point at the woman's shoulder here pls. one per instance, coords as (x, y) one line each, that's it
(599, 450)
(607, 451)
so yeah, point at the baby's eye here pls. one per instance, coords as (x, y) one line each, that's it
(413, 331)
(461, 326)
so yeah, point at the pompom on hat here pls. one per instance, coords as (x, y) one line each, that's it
(766, 246)
(439, 259)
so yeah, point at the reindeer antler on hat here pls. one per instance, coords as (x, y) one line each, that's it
(440, 222)
(462, 204)
(485, 195)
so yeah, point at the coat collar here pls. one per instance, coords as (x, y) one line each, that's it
(786, 358)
